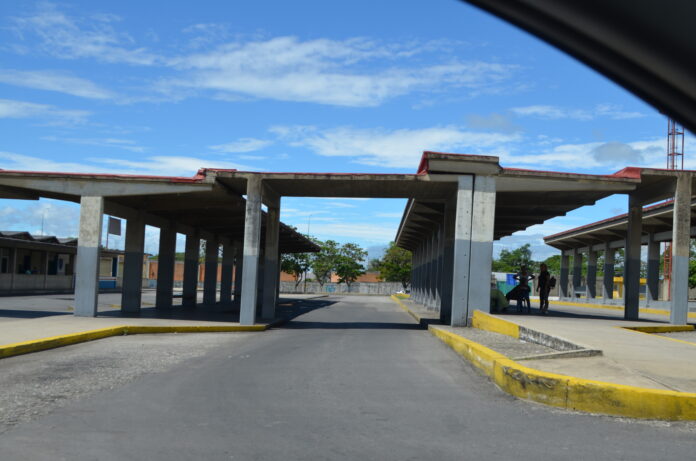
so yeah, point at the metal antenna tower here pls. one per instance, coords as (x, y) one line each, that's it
(675, 161)
(675, 145)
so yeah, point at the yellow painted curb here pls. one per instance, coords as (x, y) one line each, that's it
(569, 392)
(53, 342)
(644, 310)
(483, 321)
(405, 308)
(651, 330)
(661, 328)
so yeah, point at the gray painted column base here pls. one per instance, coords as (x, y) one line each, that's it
(87, 264)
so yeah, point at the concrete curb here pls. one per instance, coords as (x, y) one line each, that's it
(651, 330)
(36, 345)
(661, 328)
(569, 392)
(403, 306)
(642, 310)
(487, 322)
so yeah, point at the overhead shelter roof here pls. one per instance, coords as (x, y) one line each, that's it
(197, 202)
(524, 197)
(655, 184)
(213, 201)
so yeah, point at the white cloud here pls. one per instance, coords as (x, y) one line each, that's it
(21, 109)
(72, 37)
(393, 148)
(548, 112)
(367, 232)
(354, 72)
(54, 81)
(551, 112)
(55, 217)
(324, 71)
(125, 144)
(166, 165)
(13, 161)
(155, 165)
(243, 145)
(594, 155)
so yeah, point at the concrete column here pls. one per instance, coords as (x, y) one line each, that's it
(448, 231)
(432, 269)
(133, 265)
(189, 296)
(212, 248)
(440, 264)
(426, 270)
(13, 267)
(632, 261)
(482, 224)
(417, 285)
(252, 243)
(608, 272)
(87, 265)
(577, 272)
(226, 274)
(563, 278)
(165, 267)
(681, 226)
(271, 261)
(462, 251)
(238, 273)
(653, 274)
(591, 274)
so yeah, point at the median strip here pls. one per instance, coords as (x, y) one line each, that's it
(569, 392)
(36, 345)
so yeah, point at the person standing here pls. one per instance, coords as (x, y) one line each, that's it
(543, 287)
(523, 277)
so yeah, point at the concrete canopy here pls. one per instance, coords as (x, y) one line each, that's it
(198, 202)
(657, 220)
(523, 197)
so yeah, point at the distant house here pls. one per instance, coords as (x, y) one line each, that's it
(35, 264)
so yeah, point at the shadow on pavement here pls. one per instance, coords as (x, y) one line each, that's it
(29, 314)
(352, 325)
(615, 315)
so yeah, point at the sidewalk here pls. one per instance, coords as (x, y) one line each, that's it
(581, 357)
(629, 357)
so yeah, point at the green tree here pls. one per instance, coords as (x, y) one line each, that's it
(295, 264)
(512, 260)
(349, 263)
(395, 265)
(553, 263)
(324, 262)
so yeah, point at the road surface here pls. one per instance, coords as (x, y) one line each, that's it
(354, 379)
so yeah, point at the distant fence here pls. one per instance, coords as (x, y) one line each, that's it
(366, 288)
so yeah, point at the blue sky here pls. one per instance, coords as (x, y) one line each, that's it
(169, 87)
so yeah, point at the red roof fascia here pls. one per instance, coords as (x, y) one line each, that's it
(177, 179)
(613, 218)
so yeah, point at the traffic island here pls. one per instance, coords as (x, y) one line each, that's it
(26, 347)
(564, 391)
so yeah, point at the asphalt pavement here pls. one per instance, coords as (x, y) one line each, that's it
(355, 378)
